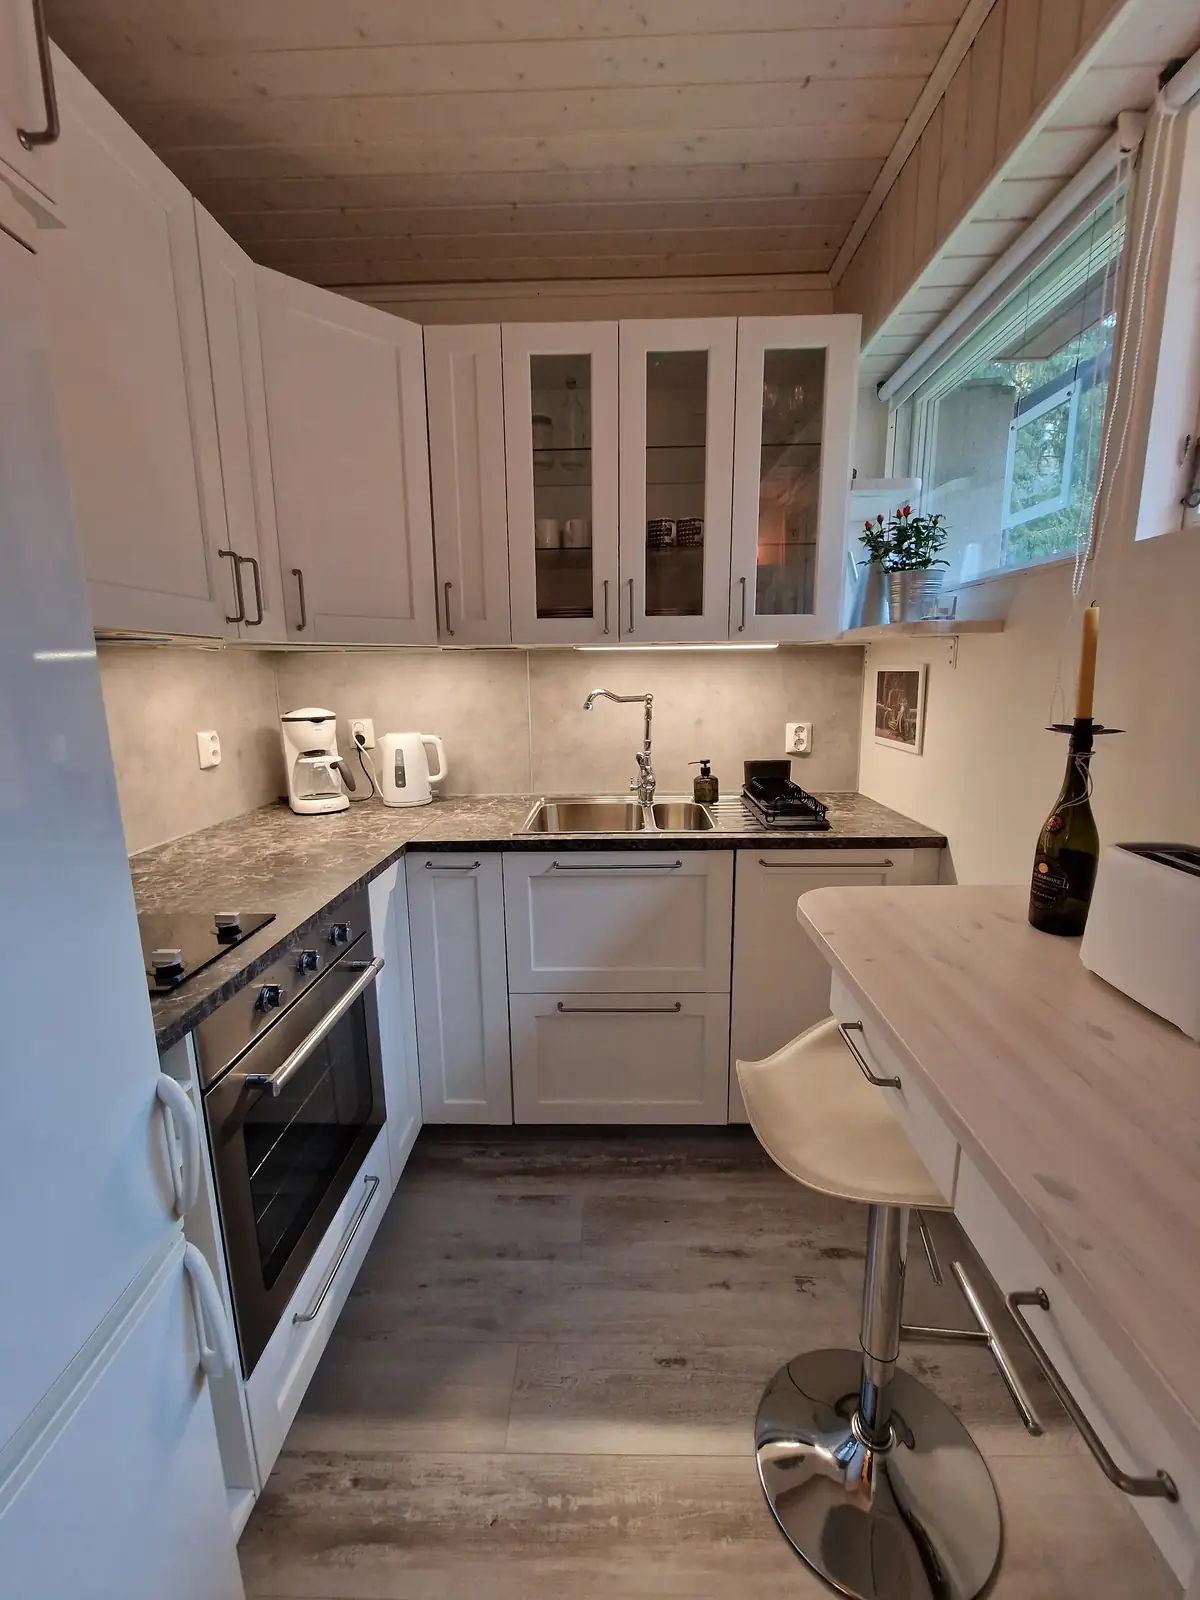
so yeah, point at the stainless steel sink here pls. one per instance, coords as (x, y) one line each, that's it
(612, 814)
(585, 816)
(681, 816)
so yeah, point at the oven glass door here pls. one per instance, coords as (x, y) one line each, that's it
(285, 1161)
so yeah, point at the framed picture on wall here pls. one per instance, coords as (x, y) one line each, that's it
(900, 707)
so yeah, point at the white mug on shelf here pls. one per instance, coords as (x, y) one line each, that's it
(577, 534)
(546, 534)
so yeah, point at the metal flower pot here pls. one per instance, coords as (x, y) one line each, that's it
(869, 608)
(913, 594)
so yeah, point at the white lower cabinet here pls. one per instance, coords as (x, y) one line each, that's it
(456, 930)
(397, 1016)
(122, 1497)
(621, 921)
(276, 1387)
(780, 978)
(647, 1058)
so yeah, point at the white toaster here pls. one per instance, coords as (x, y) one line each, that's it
(1143, 929)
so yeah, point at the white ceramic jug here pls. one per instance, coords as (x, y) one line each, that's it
(404, 768)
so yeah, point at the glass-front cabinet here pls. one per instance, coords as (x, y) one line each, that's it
(677, 425)
(561, 453)
(796, 393)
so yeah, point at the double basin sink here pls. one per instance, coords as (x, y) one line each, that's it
(616, 815)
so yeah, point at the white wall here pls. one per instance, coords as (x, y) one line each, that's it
(989, 772)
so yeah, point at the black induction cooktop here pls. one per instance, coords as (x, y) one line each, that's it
(178, 944)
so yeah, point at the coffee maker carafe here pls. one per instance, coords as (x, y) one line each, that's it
(312, 763)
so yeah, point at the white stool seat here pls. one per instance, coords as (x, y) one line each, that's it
(819, 1119)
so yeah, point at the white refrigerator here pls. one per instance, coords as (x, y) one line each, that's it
(110, 1480)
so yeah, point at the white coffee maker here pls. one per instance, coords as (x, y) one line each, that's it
(311, 761)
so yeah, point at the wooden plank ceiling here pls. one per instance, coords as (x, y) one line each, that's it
(359, 142)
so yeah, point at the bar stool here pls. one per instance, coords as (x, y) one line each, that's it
(873, 1480)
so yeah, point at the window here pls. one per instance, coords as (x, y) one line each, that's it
(1005, 433)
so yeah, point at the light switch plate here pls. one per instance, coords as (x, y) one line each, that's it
(365, 726)
(797, 740)
(209, 745)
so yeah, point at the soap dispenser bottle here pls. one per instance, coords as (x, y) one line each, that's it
(706, 791)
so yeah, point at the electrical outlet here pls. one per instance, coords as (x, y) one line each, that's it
(209, 745)
(797, 738)
(366, 727)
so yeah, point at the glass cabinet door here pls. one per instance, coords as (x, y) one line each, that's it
(677, 394)
(560, 417)
(796, 391)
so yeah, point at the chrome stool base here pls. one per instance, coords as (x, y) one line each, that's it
(918, 1520)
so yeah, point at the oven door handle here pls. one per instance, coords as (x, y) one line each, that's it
(274, 1083)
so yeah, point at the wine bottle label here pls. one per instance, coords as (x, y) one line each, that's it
(1050, 884)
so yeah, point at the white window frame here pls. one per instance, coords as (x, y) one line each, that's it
(1068, 392)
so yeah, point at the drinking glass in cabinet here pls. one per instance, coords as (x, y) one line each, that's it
(789, 482)
(561, 441)
(676, 434)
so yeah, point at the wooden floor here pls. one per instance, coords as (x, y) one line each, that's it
(543, 1388)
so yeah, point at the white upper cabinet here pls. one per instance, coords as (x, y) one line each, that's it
(132, 378)
(677, 405)
(345, 387)
(29, 144)
(465, 397)
(560, 444)
(796, 392)
(252, 550)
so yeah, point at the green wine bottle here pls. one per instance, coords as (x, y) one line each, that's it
(1068, 848)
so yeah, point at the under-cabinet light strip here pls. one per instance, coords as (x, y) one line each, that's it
(614, 649)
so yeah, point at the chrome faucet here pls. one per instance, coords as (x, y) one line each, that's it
(643, 784)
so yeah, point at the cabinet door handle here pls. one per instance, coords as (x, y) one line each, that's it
(631, 605)
(742, 623)
(311, 1315)
(465, 867)
(184, 1139)
(240, 599)
(256, 574)
(31, 138)
(1161, 1486)
(217, 1353)
(784, 865)
(609, 866)
(606, 605)
(446, 588)
(621, 1011)
(299, 577)
(845, 1029)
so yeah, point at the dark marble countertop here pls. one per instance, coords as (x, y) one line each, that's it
(271, 860)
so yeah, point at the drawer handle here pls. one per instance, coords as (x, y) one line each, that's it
(868, 865)
(621, 1011)
(314, 1310)
(465, 867)
(1161, 1486)
(845, 1028)
(612, 866)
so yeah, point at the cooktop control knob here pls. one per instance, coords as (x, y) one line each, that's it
(229, 924)
(269, 996)
(306, 960)
(339, 933)
(167, 964)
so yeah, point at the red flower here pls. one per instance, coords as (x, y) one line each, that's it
(907, 511)
(867, 526)
(879, 518)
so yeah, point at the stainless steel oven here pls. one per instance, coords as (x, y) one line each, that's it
(293, 1101)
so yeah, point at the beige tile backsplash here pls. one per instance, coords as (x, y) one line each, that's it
(512, 720)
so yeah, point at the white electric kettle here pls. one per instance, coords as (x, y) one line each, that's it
(405, 774)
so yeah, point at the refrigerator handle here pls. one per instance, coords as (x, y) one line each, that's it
(183, 1139)
(212, 1325)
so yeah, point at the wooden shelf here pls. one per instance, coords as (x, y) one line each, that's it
(939, 628)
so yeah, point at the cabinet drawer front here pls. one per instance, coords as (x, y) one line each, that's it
(1105, 1391)
(649, 1058)
(930, 1137)
(277, 1385)
(619, 921)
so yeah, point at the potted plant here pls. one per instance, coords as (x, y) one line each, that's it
(915, 543)
(870, 605)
